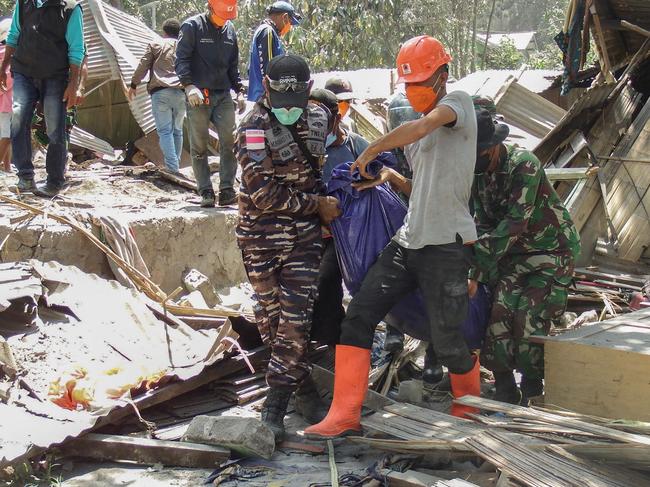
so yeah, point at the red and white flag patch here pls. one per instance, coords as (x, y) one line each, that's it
(255, 139)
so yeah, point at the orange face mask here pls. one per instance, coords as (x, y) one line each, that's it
(218, 21)
(286, 29)
(422, 98)
(344, 107)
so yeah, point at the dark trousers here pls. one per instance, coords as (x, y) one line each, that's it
(328, 307)
(27, 93)
(440, 271)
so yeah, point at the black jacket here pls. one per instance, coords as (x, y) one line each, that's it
(206, 56)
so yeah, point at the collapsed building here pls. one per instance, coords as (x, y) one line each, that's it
(123, 301)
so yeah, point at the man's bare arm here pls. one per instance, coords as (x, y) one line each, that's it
(404, 135)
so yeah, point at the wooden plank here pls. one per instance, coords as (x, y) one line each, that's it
(631, 456)
(410, 478)
(568, 174)
(522, 412)
(147, 451)
(618, 390)
(538, 468)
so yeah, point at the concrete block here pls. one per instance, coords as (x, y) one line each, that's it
(196, 281)
(246, 436)
(194, 300)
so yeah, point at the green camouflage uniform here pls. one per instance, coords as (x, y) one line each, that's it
(526, 250)
(279, 233)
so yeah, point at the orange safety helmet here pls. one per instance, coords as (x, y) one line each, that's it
(226, 9)
(419, 58)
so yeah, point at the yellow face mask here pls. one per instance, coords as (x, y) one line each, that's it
(344, 108)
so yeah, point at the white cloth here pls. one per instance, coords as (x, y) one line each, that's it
(443, 172)
(5, 125)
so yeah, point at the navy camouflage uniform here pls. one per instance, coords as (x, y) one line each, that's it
(279, 232)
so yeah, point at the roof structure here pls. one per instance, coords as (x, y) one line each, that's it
(116, 41)
(489, 82)
(521, 40)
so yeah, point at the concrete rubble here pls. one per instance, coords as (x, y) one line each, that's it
(246, 436)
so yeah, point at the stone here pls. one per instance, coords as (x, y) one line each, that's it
(246, 436)
(194, 300)
(196, 281)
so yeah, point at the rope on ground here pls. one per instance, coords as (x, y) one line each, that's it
(334, 473)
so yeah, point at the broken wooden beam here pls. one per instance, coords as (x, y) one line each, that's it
(178, 179)
(147, 451)
(569, 173)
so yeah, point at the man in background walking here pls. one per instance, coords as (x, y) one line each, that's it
(167, 96)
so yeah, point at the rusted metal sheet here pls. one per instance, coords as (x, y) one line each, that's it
(97, 325)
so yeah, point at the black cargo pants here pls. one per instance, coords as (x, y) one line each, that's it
(440, 271)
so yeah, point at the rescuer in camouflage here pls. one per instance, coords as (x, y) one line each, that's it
(525, 251)
(280, 146)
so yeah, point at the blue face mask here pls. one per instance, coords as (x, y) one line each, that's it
(331, 138)
(287, 116)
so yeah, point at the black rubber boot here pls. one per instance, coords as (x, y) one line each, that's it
(274, 410)
(506, 388)
(47, 190)
(309, 403)
(394, 342)
(530, 388)
(432, 372)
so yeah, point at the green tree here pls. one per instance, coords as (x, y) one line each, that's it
(504, 56)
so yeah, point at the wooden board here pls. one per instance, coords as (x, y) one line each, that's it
(598, 381)
(147, 451)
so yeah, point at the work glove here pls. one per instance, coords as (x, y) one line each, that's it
(194, 95)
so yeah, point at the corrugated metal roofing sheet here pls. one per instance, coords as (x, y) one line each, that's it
(489, 82)
(116, 41)
(527, 110)
(83, 139)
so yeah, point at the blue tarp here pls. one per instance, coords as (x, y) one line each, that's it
(368, 222)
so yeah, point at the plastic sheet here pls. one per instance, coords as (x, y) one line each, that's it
(369, 220)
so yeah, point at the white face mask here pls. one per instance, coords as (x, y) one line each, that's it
(331, 138)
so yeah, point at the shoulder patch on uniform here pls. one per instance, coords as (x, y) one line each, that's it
(255, 139)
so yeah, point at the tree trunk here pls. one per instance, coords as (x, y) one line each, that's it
(487, 34)
(474, 15)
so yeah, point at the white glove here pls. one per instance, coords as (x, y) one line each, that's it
(194, 95)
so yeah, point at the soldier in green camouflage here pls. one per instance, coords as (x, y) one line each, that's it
(526, 250)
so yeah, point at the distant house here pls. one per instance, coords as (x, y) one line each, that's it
(524, 42)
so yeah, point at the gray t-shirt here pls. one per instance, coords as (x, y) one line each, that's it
(443, 171)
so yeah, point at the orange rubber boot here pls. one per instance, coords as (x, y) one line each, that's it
(352, 365)
(464, 385)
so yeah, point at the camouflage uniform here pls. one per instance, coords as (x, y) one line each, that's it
(279, 233)
(526, 250)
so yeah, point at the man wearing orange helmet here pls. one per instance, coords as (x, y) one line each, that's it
(431, 250)
(207, 64)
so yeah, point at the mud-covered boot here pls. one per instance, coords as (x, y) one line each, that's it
(432, 372)
(530, 388)
(274, 410)
(394, 342)
(506, 387)
(309, 403)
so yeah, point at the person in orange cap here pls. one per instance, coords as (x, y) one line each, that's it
(207, 64)
(431, 251)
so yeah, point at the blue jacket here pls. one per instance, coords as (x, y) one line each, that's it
(265, 46)
(208, 56)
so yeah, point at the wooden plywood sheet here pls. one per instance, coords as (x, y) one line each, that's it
(590, 380)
